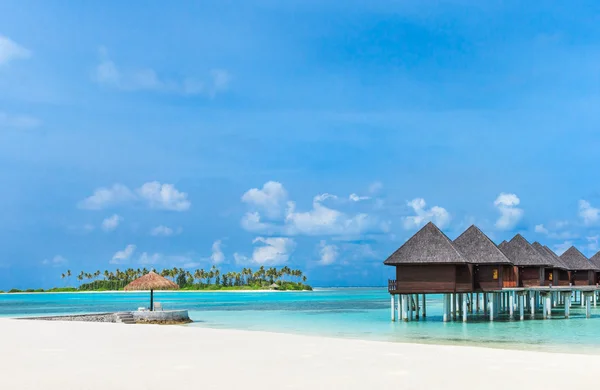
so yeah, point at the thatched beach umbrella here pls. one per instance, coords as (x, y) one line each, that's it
(151, 281)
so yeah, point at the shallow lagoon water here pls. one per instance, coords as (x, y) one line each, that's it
(361, 313)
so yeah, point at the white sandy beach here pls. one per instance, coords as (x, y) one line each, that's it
(53, 355)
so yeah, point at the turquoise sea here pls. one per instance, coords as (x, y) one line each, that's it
(360, 313)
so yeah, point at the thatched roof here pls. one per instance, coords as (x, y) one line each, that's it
(477, 248)
(522, 254)
(151, 281)
(427, 246)
(595, 259)
(577, 260)
(549, 255)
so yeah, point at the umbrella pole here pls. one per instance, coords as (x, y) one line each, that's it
(151, 300)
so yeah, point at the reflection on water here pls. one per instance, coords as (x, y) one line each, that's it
(354, 313)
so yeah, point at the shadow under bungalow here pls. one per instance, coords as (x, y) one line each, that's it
(477, 277)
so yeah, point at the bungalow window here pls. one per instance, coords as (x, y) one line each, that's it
(495, 273)
(550, 276)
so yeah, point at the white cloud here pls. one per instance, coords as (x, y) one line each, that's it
(56, 261)
(329, 253)
(106, 197)
(271, 199)
(510, 214)
(18, 121)
(146, 79)
(217, 255)
(589, 214)
(435, 214)
(553, 231)
(375, 187)
(164, 196)
(165, 231)
(155, 194)
(274, 251)
(356, 198)
(593, 243)
(320, 220)
(562, 248)
(10, 51)
(123, 256)
(111, 223)
(150, 259)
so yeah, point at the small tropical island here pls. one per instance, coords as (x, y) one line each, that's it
(282, 279)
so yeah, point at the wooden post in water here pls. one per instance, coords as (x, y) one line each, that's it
(511, 305)
(464, 310)
(532, 303)
(477, 302)
(417, 305)
(491, 307)
(445, 307)
(393, 308)
(521, 307)
(424, 306)
(567, 298)
(549, 304)
(399, 307)
(545, 309)
(405, 307)
(588, 306)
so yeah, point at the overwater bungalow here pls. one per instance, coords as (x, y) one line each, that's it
(583, 272)
(429, 263)
(559, 274)
(595, 260)
(530, 264)
(492, 270)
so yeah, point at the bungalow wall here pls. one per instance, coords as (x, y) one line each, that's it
(561, 277)
(531, 276)
(493, 277)
(433, 278)
(583, 278)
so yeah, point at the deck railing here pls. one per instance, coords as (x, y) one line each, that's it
(392, 285)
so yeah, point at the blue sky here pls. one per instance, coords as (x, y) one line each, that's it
(316, 134)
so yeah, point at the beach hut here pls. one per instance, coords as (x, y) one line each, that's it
(595, 260)
(559, 274)
(429, 263)
(274, 286)
(583, 272)
(151, 281)
(492, 269)
(531, 265)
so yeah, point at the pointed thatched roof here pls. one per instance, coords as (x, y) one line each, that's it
(477, 248)
(577, 260)
(427, 246)
(151, 281)
(595, 259)
(549, 255)
(522, 254)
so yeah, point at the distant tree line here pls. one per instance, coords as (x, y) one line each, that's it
(284, 277)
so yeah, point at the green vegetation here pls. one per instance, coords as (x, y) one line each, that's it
(197, 280)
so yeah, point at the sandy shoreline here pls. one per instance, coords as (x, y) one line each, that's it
(77, 355)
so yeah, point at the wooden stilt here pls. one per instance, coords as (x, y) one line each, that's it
(511, 305)
(532, 303)
(464, 310)
(424, 306)
(393, 308)
(445, 304)
(399, 307)
(491, 307)
(588, 306)
(549, 305)
(545, 309)
(485, 304)
(477, 302)
(404, 307)
(594, 299)
(417, 306)
(581, 298)
(567, 298)
(471, 303)
(521, 307)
